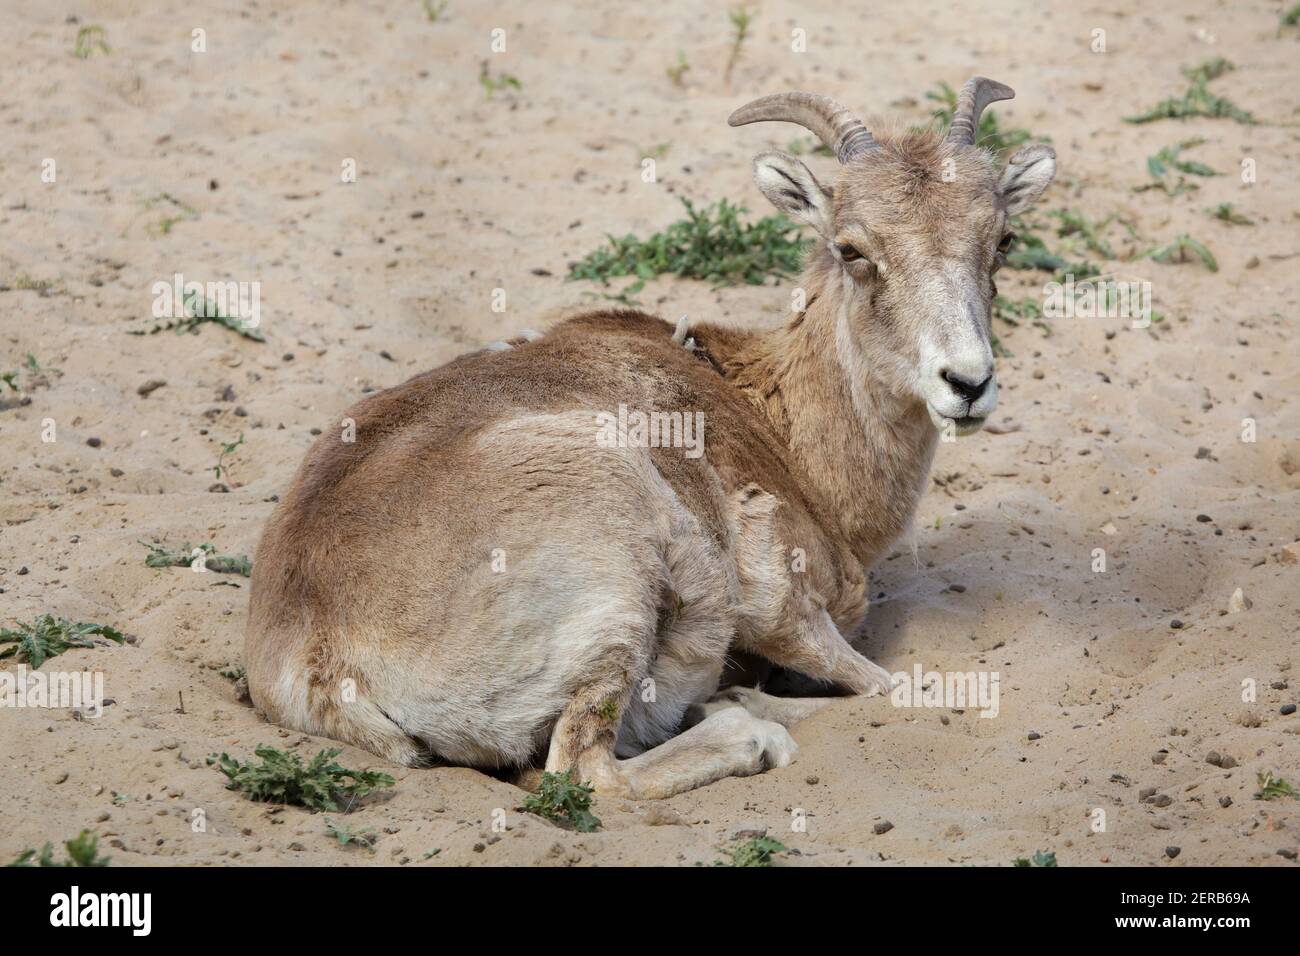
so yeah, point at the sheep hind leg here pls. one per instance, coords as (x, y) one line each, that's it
(729, 743)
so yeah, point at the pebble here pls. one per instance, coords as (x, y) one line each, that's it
(150, 386)
(94, 442)
(1159, 756)
(1238, 602)
(1146, 793)
(1214, 757)
(1228, 762)
(811, 780)
(1287, 709)
(1225, 802)
(1176, 624)
(1172, 851)
(1286, 852)
(1163, 800)
(884, 826)
(1035, 735)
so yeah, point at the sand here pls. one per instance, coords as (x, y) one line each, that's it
(1125, 439)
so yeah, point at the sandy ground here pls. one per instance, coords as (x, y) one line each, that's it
(365, 284)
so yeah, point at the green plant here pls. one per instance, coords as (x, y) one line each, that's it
(433, 9)
(756, 851)
(1227, 212)
(233, 672)
(1271, 787)
(710, 244)
(182, 212)
(1161, 163)
(83, 850)
(494, 84)
(362, 837)
(1177, 251)
(677, 72)
(1040, 858)
(198, 310)
(184, 557)
(47, 636)
(1289, 19)
(90, 39)
(227, 448)
(282, 778)
(1029, 251)
(808, 144)
(559, 799)
(990, 135)
(1074, 223)
(740, 20)
(1197, 100)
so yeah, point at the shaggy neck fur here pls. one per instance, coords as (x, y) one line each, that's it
(865, 450)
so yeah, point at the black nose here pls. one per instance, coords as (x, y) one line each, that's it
(968, 390)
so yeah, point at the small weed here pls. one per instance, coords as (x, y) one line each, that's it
(1197, 101)
(495, 84)
(1227, 212)
(227, 448)
(199, 310)
(1040, 858)
(184, 557)
(807, 144)
(177, 211)
(1029, 251)
(46, 636)
(233, 672)
(740, 20)
(677, 72)
(83, 850)
(710, 244)
(1179, 250)
(362, 837)
(756, 851)
(90, 39)
(434, 9)
(1161, 164)
(561, 800)
(1289, 19)
(282, 778)
(1271, 787)
(1073, 223)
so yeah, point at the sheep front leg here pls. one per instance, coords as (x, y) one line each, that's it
(817, 649)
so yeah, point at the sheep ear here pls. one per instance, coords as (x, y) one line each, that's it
(792, 188)
(1028, 173)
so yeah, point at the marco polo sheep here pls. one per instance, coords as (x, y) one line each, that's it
(483, 577)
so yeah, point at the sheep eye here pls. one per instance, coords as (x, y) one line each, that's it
(1005, 245)
(848, 253)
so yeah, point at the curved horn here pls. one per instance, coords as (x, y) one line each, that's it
(834, 125)
(978, 93)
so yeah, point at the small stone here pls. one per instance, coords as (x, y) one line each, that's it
(1286, 710)
(1287, 852)
(1204, 519)
(94, 442)
(1239, 602)
(747, 831)
(812, 780)
(1290, 554)
(1163, 800)
(1213, 757)
(1146, 793)
(1176, 624)
(219, 488)
(1159, 756)
(60, 777)
(1225, 802)
(116, 472)
(1173, 851)
(1202, 452)
(884, 826)
(1229, 762)
(1035, 735)
(150, 386)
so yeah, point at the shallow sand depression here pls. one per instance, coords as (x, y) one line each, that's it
(228, 164)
